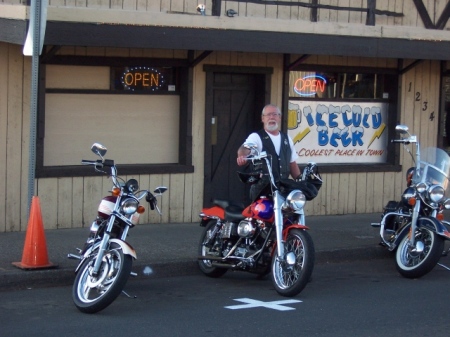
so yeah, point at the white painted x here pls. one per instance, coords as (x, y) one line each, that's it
(276, 305)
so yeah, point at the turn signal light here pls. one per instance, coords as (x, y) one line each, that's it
(115, 191)
(440, 216)
(447, 234)
(140, 209)
(412, 201)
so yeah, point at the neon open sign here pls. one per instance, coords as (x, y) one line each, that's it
(142, 78)
(310, 85)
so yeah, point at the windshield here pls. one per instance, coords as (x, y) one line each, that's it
(434, 167)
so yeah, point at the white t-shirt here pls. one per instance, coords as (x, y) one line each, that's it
(276, 140)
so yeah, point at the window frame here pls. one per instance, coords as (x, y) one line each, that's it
(184, 164)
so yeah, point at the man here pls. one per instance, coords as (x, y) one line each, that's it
(275, 143)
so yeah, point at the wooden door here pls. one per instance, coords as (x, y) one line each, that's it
(233, 107)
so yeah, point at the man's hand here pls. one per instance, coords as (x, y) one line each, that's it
(242, 156)
(242, 160)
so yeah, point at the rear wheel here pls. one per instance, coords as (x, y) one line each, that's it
(94, 293)
(291, 275)
(418, 260)
(206, 248)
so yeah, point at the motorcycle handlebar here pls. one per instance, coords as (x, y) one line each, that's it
(90, 162)
(259, 156)
(99, 162)
(406, 141)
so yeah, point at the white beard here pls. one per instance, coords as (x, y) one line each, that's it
(272, 126)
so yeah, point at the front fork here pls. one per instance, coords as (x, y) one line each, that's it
(415, 216)
(103, 246)
(278, 224)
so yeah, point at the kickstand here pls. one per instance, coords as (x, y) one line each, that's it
(443, 266)
(126, 294)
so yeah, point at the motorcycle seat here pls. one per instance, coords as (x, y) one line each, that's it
(234, 213)
(226, 203)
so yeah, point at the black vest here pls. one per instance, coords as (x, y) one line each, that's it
(280, 163)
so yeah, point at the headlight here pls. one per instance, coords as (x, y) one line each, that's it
(421, 187)
(129, 206)
(132, 185)
(447, 204)
(295, 200)
(408, 194)
(436, 193)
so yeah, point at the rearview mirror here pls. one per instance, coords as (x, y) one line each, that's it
(98, 149)
(160, 190)
(402, 128)
(252, 147)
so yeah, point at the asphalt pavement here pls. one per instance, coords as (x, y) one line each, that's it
(171, 249)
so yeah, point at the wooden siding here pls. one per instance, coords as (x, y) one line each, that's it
(14, 134)
(72, 202)
(390, 12)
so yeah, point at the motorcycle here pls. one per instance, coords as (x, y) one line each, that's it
(270, 235)
(106, 259)
(414, 227)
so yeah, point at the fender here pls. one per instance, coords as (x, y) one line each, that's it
(285, 234)
(126, 248)
(214, 212)
(434, 225)
(287, 229)
(430, 223)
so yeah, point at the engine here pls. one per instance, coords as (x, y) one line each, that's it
(243, 239)
(246, 229)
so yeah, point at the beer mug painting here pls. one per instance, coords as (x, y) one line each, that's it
(294, 116)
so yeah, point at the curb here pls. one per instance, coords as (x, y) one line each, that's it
(58, 277)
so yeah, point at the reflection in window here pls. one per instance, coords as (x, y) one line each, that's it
(329, 85)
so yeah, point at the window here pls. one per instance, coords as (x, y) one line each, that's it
(333, 85)
(136, 111)
(341, 116)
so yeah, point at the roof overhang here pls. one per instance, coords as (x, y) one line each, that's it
(191, 32)
(77, 34)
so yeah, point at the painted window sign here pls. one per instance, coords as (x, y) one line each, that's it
(338, 132)
(310, 85)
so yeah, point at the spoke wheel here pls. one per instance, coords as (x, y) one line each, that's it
(94, 293)
(291, 274)
(418, 260)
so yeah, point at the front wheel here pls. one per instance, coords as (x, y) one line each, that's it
(291, 274)
(416, 261)
(94, 293)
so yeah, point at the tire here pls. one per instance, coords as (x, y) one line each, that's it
(206, 265)
(92, 294)
(291, 280)
(411, 264)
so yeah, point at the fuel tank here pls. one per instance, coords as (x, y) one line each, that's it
(106, 206)
(261, 209)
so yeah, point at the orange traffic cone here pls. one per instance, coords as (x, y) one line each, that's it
(35, 250)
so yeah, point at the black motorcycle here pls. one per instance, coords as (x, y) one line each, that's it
(414, 227)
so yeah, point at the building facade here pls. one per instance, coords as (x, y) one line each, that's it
(173, 90)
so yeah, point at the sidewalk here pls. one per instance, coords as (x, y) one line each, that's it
(171, 249)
